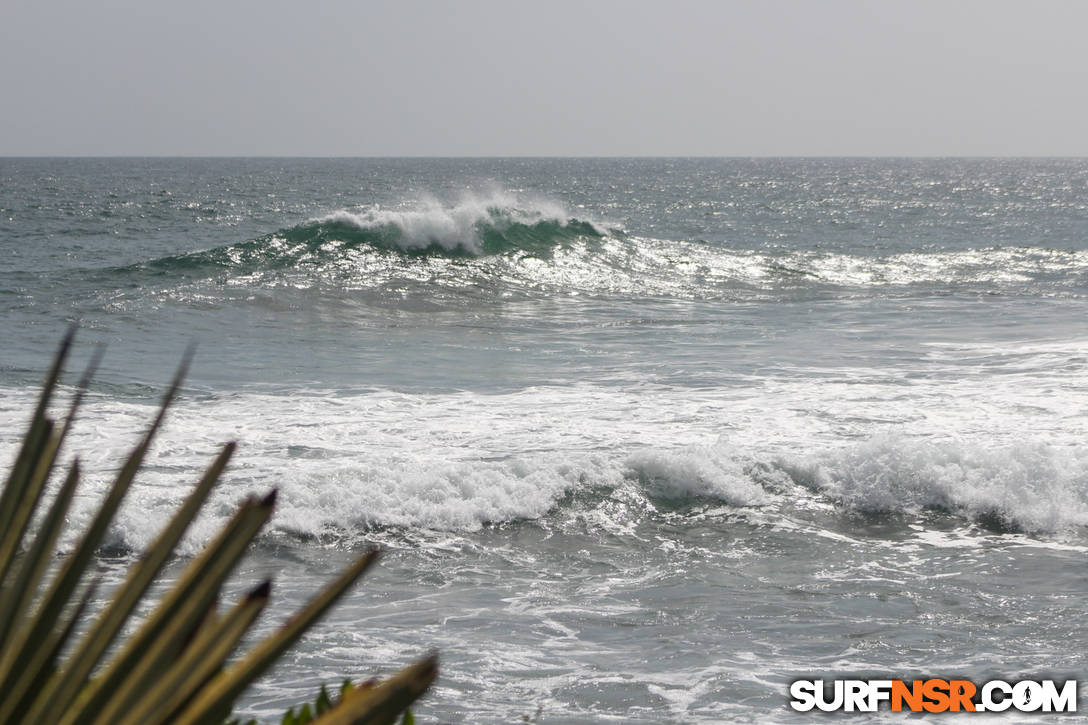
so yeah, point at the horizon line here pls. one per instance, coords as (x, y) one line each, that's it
(540, 156)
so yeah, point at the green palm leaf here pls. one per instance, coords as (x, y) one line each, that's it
(173, 668)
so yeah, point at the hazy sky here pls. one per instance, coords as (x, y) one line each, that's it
(513, 78)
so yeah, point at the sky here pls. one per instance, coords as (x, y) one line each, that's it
(543, 78)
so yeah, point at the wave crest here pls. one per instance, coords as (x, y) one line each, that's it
(1030, 487)
(710, 472)
(473, 226)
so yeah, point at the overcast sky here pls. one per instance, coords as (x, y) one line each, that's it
(521, 78)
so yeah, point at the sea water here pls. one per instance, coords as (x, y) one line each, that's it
(644, 440)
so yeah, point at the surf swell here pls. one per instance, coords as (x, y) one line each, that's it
(553, 256)
(1026, 486)
(469, 229)
(348, 465)
(473, 227)
(505, 247)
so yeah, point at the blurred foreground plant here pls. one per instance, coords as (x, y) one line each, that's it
(172, 669)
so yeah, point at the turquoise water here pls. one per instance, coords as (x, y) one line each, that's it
(645, 439)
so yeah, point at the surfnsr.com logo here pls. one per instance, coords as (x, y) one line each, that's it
(934, 695)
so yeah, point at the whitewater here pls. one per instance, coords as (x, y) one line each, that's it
(644, 440)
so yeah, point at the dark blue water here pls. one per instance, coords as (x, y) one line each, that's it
(646, 439)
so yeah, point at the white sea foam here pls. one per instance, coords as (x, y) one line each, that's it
(1005, 448)
(454, 462)
(700, 268)
(1030, 485)
(699, 471)
(641, 267)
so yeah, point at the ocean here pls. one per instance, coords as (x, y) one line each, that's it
(644, 440)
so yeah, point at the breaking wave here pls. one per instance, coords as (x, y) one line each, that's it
(1027, 486)
(471, 228)
(474, 227)
(553, 257)
(510, 246)
(349, 465)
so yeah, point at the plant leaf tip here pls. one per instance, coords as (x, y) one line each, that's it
(262, 590)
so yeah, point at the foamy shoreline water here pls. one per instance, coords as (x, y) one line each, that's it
(644, 440)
